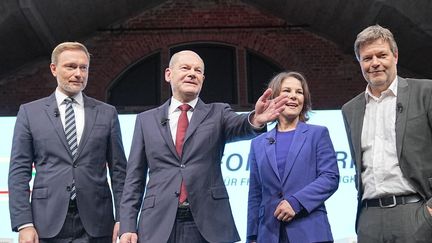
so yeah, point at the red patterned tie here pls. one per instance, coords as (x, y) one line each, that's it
(182, 125)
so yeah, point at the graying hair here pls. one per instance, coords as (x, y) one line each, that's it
(373, 33)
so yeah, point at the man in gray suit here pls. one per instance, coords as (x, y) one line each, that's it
(70, 139)
(389, 128)
(185, 198)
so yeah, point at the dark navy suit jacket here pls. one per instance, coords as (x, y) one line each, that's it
(39, 139)
(153, 151)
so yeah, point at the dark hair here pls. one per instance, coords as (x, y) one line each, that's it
(276, 83)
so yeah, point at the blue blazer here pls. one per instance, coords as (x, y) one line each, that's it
(311, 176)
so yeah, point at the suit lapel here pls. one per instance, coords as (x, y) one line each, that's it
(199, 114)
(164, 128)
(401, 116)
(270, 150)
(90, 115)
(296, 145)
(357, 127)
(51, 109)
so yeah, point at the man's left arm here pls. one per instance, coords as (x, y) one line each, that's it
(116, 162)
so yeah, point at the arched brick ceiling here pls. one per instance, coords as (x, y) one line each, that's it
(29, 29)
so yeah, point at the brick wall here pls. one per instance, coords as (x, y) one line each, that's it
(334, 76)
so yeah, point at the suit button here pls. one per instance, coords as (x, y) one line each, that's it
(177, 194)
(182, 166)
(68, 188)
(280, 195)
(75, 165)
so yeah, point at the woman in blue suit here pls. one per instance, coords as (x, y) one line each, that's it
(293, 171)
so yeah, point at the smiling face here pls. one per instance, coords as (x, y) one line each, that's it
(71, 71)
(378, 65)
(292, 87)
(185, 75)
(295, 86)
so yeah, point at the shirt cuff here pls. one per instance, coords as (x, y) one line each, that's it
(25, 226)
(295, 204)
(250, 122)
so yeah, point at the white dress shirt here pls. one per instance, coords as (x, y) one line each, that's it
(381, 174)
(174, 114)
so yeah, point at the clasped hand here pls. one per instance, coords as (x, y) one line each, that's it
(284, 212)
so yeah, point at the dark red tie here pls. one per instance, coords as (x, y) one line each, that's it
(182, 125)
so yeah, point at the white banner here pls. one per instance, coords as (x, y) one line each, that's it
(341, 207)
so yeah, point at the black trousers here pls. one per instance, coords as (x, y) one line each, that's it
(73, 230)
(185, 229)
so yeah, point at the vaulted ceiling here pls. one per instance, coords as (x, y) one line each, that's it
(29, 29)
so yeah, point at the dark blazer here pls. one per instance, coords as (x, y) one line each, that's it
(413, 133)
(311, 175)
(153, 151)
(39, 140)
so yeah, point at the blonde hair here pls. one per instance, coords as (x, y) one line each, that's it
(67, 46)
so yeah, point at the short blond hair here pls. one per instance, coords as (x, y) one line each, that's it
(67, 46)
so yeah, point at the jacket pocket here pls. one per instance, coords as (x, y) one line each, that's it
(39, 193)
(149, 202)
(219, 192)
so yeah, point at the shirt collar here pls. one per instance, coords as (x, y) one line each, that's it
(175, 104)
(60, 97)
(392, 89)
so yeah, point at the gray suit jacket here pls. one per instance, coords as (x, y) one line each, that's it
(413, 133)
(39, 139)
(153, 151)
